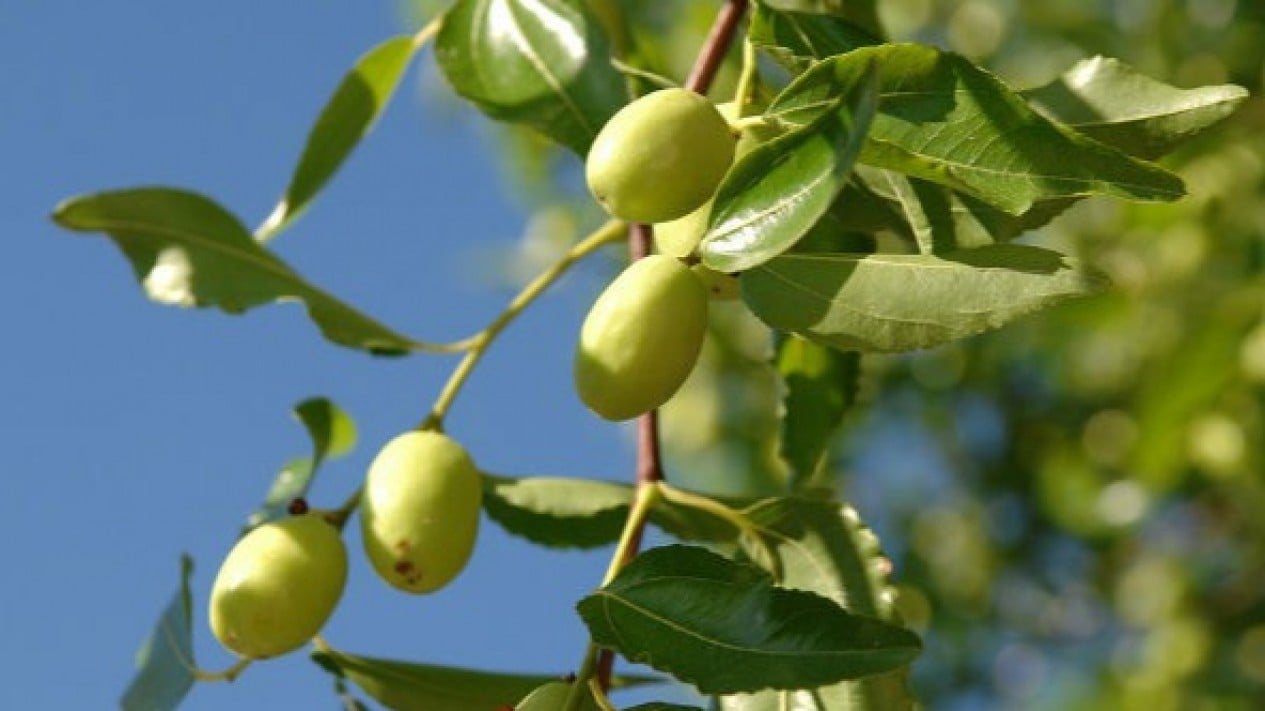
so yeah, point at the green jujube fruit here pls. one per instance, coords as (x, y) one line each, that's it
(641, 339)
(680, 237)
(552, 697)
(720, 286)
(660, 156)
(278, 586)
(419, 512)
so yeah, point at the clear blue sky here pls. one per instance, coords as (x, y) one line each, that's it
(135, 431)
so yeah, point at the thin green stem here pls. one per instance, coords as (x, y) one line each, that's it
(227, 675)
(644, 499)
(743, 124)
(608, 233)
(338, 517)
(428, 32)
(599, 696)
(746, 79)
(735, 518)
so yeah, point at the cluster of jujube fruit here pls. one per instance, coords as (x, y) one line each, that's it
(659, 160)
(419, 514)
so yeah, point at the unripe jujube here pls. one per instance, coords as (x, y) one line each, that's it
(278, 586)
(641, 338)
(660, 156)
(419, 513)
(681, 236)
(552, 697)
(720, 286)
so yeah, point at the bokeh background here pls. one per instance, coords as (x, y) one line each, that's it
(1075, 506)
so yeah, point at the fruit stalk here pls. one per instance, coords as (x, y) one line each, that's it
(608, 233)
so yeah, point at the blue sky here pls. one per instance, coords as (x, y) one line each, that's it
(135, 431)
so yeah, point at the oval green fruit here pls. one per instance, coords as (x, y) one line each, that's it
(680, 237)
(278, 586)
(553, 697)
(659, 157)
(721, 286)
(641, 339)
(419, 512)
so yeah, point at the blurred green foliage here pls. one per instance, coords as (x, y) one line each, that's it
(1074, 505)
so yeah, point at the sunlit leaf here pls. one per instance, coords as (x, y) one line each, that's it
(943, 119)
(724, 627)
(776, 193)
(544, 63)
(165, 662)
(899, 302)
(1114, 103)
(350, 113)
(188, 251)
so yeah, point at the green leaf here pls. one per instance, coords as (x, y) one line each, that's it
(820, 388)
(898, 302)
(776, 193)
(861, 13)
(941, 220)
(563, 512)
(725, 628)
(350, 113)
(544, 63)
(943, 119)
(188, 251)
(824, 548)
(1115, 104)
(556, 511)
(289, 484)
(408, 686)
(164, 662)
(797, 39)
(332, 430)
(333, 434)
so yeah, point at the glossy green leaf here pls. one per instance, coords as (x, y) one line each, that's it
(943, 119)
(408, 686)
(824, 548)
(556, 511)
(797, 39)
(1114, 103)
(898, 302)
(724, 627)
(543, 63)
(188, 251)
(820, 387)
(777, 192)
(165, 662)
(350, 113)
